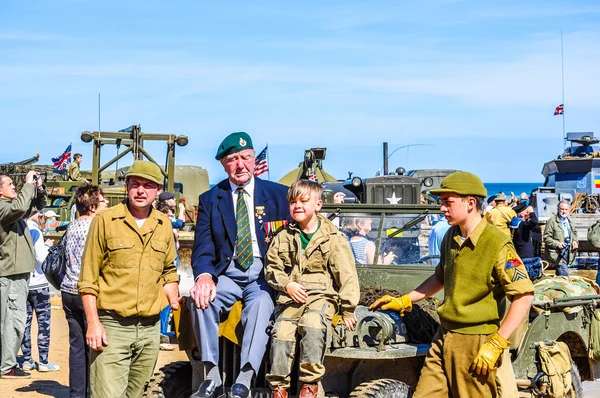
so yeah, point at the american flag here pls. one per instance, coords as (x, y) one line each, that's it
(61, 162)
(559, 110)
(261, 163)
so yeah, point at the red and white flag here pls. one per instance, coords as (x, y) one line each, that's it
(261, 163)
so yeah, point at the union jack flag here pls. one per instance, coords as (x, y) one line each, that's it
(313, 177)
(61, 162)
(261, 163)
(560, 110)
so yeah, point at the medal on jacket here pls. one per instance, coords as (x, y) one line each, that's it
(259, 213)
(272, 227)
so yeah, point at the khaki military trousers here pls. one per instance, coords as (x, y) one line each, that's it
(128, 361)
(312, 321)
(446, 370)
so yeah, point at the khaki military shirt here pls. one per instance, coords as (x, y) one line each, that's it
(125, 266)
(325, 268)
(500, 216)
(74, 172)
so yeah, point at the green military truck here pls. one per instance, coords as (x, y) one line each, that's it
(384, 355)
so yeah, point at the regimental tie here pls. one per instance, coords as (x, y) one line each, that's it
(243, 246)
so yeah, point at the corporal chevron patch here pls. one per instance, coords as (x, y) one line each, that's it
(518, 275)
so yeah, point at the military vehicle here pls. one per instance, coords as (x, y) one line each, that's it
(573, 176)
(188, 182)
(389, 188)
(430, 179)
(310, 167)
(384, 355)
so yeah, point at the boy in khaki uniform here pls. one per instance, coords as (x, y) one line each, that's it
(312, 267)
(478, 268)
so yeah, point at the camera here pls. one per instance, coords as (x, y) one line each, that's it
(36, 177)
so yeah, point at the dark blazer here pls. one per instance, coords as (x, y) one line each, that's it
(522, 237)
(216, 230)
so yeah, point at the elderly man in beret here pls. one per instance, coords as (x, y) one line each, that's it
(127, 277)
(232, 232)
(478, 267)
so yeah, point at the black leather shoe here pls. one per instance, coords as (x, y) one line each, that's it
(239, 391)
(208, 389)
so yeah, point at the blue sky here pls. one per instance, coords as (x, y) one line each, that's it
(476, 82)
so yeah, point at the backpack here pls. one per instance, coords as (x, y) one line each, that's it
(593, 235)
(54, 266)
(594, 350)
(556, 362)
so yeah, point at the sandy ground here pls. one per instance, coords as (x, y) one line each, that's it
(56, 384)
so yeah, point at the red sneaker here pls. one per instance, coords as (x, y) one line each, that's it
(16, 373)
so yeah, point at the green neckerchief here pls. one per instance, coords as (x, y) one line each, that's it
(305, 238)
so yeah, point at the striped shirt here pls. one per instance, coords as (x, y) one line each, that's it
(359, 249)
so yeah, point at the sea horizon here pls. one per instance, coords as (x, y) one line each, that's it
(507, 187)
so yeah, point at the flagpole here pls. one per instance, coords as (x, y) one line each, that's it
(562, 63)
(268, 168)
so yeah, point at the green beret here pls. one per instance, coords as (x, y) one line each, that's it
(233, 143)
(147, 170)
(461, 183)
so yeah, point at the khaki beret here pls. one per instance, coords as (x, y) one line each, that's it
(461, 183)
(233, 143)
(147, 170)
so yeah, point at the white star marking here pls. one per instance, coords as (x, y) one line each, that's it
(394, 200)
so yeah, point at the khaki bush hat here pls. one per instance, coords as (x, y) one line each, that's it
(461, 183)
(500, 197)
(147, 170)
(233, 143)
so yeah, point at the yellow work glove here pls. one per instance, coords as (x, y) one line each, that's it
(400, 304)
(488, 354)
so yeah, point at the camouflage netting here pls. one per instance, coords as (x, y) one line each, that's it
(547, 289)
(422, 322)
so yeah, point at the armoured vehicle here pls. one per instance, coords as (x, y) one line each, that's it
(384, 355)
(430, 179)
(389, 188)
(573, 176)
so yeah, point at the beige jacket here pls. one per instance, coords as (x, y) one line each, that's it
(325, 268)
(500, 216)
(125, 266)
(74, 172)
